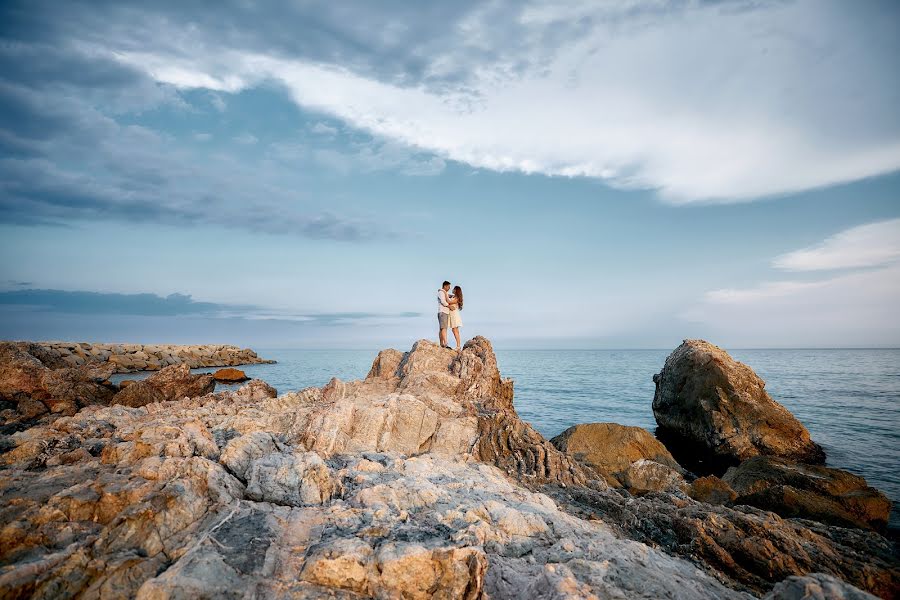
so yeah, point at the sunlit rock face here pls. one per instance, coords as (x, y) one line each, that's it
(714, 411)
(419, 481)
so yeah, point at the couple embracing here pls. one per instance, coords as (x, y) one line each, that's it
(449, 306)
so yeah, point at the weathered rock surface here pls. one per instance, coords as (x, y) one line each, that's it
(127, 358)
(29, 389)
(371, 488)
(816, 586)
(170, 383)
(230, 375)
(714, 412)
(610, 449)
(205, 497)
(742, 546)
(712, 490)
(809, 491)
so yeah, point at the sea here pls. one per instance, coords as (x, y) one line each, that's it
(848, 399)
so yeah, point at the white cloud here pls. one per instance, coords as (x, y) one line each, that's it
(855, 308)
(324, 129)
(702, 103)
(202, 137)
(868, 245)
(246, 138)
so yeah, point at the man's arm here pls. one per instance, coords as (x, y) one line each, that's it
(442, 298)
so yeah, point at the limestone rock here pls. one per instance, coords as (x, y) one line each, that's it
(610, 449)
(809, 491)
(170, 383)
(816, 586)
(646, 475)
(370, 488)
(712, 490)
(715, 410)
(31, 389)
(743, 546)
(230, 375)
(295, 479)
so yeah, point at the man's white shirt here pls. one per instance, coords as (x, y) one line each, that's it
(443, 305)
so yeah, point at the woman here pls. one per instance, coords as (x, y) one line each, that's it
(456, 303)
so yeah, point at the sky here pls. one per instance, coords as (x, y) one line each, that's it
(618, 174)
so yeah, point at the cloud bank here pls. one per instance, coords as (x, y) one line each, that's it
(856, 307)
(701, 101)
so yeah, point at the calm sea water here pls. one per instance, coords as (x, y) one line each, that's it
(848, 399)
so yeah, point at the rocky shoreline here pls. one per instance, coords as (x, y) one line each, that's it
(420, 481)
(128, 358)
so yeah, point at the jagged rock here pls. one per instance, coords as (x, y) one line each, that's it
(714, 412)
(295, 479)
(230, 375)
(32, 389)
(745, 547)
(173, 382)
(816, 586)
(646, 475)
(809, 491)
(610, 449)
(712, 490)
(366, 488)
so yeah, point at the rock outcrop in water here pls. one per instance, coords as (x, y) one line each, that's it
(809, 491)
(622, 455)
(419, 481)
(127, 358)
(714, 412)
(171, 383)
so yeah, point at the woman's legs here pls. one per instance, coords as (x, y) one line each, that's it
(456, 335)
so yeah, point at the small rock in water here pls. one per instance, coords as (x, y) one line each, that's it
(230, 375)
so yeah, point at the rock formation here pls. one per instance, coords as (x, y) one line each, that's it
(230, 375)
(170, 383)
(809, 491)
(127, 358)
(745, 547)
(611, 449)
(29, 389)
(714, 412)
(372, 488)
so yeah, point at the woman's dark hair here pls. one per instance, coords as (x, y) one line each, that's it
(457, 293)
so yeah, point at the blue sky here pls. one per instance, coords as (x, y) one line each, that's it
(608, 175)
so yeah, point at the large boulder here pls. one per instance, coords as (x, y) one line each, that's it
(170, 383)
(809, 491)
(714, 412)
(610, 449)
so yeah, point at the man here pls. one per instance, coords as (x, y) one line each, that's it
(443, 313)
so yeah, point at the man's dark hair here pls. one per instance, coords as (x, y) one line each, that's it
(445, 284)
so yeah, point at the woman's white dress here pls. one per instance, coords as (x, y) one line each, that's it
(455, 319)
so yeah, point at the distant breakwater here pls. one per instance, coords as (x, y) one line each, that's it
(128, 358)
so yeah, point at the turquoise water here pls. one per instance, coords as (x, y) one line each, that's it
(848, 399)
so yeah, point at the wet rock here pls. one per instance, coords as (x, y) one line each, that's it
(714, 412)
(230, 375)
(173, 382)
(809, 491)
(610, 449)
